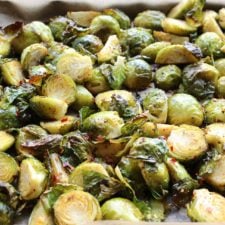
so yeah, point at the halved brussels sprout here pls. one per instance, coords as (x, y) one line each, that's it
(152, 50)
(106, 124)
(138, 75)
(49, 108)
(210, 44)
(137, 39)
(5, 47)
(175, 54)
(173, 39)
(40, 215)
(110, 50)
(61, 87)
(210, 23)
(168, 77)
(156, 177)
(222, 17)
(63, 126)
(32, 55)
(9, 168)
(121, 101)
(33, 178)
(184, 109)
(149, 19)
(82, 18)
(6, 214)
(6, 140)
(220, 87)
(215, 111)
(12, 72)
(156, 105)
(78, 67)
(32, 33)
(178, 27)
(121, 209)
(187, 143)
(76, 207)
(206, 206)
(200, 79)
(120, 16)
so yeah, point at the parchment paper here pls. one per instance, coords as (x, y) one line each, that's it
(29, 10)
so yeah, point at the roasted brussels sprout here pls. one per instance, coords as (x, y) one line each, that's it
(219, 64)
(149, 19)
(5, 47)
(155, 102)
(206, 206)
(106, 124)
(186, 143)
(221, 17)
(33, 178)
(220, 87)
(6, 214)
(9, 168)
(168, 77)
(121, 209)
(119, 100)
(6, 140)
(138, 75)
(76, 207)
(200, 80)
(184, 109)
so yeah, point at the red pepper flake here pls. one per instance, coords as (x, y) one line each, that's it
(64, 119)
(173, 160)
(17, 113)
(171, 148)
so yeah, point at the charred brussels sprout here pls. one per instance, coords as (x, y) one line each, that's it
(206, 206)
(184, 108)
(121, 209)
(200, 80)
(138, 75)
(168, 77)
(149, 19)
(186, 143)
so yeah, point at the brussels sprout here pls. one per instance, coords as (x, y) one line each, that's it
(168, 77)
(77, 66)
(137, 39)
(149, 149)
(138, 75)
(214, 111)
(49, 108)
(119, 100)
(6, 214)
(9, 168)
(33, 178)
(110, 50)
(221, 87)
(6, 140)
(76, 207)
(82, 18)
(61, 87)
(152, 50)
(58, 173)
(186, 143)
(32, 33)
(173, 39)
(12, 73)
(149, 19)
(155, 102)
(200, 80)
(107, 124)
(206, 206)
(210, 24)
(88, 43)
(121, 209)
(104, 23)
(32, 55)
(178, 27)
(40, 215)
(210, 44)
(184, 108)
(221, 17)
(97, 83)
(219, 64)
(175, 54)
(63, 126)
(5, 47)
(156, 177)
